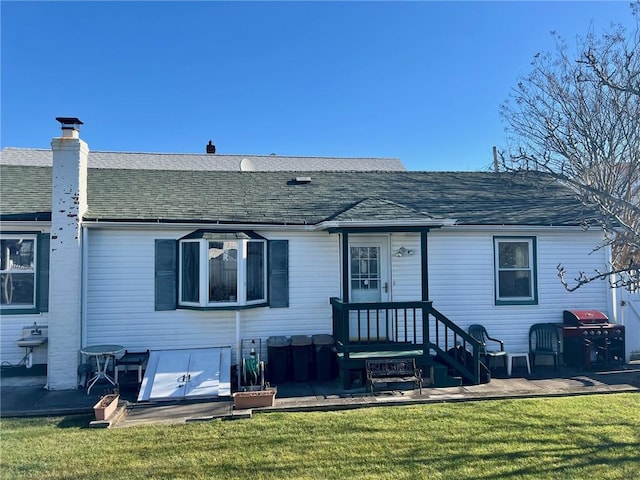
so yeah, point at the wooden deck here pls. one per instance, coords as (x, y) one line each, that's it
(399, 329)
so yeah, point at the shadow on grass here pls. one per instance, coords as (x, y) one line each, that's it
(76, 421)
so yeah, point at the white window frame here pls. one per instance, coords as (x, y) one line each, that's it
(203, 274)
(33, 271)
(532, 268)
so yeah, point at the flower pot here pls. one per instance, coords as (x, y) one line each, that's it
(106, 406)
(254, 399)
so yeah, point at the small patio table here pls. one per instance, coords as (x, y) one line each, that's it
(511, 356)
(103, 355)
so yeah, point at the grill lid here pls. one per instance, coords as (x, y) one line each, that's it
(584, 317)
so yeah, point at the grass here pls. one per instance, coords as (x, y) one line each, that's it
(556, 438)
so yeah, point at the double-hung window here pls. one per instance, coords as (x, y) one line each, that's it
(515, 271)
(18, 261)
(220, 269)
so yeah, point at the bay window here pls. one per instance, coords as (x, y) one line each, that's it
(219, 269)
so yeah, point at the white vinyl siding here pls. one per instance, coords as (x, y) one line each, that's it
(120, 296)
(461, 274)
(120, 301)
(12, 325)
(406, 274)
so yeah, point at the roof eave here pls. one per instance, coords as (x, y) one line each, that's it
(188, 224)
(398, 225)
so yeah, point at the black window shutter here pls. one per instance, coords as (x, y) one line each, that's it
(278, 273)
(43, 272)
(166, 274)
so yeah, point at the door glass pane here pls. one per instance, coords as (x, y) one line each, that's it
(223, 271)
(190, 252)
(255, 270)
(365, 268)
(355, 264)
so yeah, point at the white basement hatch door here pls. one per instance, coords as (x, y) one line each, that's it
(187, 374)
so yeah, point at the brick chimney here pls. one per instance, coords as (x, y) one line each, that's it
(211, 148)
(68, 204)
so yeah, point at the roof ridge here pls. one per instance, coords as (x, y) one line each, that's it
(239, 155)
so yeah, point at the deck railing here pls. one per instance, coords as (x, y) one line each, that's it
(446, 335)
(412, 327)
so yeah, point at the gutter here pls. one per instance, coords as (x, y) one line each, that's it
(530, 228)
(11, 225)
(195, 225)
(271, 226)
(444, 223)
(341, 224)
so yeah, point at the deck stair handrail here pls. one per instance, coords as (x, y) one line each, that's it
(406, 332)
(449, 335)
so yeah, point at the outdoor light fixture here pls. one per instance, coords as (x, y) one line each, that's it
(402, 252)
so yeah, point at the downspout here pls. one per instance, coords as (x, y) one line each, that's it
(345, 267)
(85, 287)
(612, 297)
(238, 347)
(424, 278)
(424, 271)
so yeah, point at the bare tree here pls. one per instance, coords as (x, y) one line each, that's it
(576, 117)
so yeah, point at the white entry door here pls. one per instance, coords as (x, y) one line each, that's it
(368, 282)
(368, 270)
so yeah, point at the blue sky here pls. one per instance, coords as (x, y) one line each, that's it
(419, 81)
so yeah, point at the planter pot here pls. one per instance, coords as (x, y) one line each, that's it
(255, 399)
(106, 406)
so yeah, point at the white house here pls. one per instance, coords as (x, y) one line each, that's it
(103, 250)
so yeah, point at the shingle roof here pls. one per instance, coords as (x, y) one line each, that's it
(379, 209)
(193, 161)
(276, 198)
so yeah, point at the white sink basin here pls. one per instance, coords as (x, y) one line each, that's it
(31, 341)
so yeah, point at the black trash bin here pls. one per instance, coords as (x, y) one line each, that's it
(278, 353)
(301, 357)
(325, 359)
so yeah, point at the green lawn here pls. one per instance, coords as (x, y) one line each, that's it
(587, 437)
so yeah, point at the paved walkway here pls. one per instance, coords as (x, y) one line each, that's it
(19, 401)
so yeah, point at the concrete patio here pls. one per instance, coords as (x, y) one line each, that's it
(34, 400)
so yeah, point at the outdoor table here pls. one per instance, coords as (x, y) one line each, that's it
(103, 355)
(511, 356)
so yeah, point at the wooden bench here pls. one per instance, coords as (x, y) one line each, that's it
(393, 370)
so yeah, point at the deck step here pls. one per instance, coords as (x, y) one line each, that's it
(439, 376)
